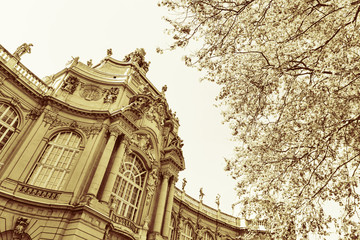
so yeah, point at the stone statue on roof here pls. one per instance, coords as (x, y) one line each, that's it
(24, 48)
(138, 56)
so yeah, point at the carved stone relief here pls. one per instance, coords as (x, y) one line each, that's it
(111, 95)
(143, 141)
(70, 84)
(91, 92)
(20, 227)
(54, 120)
(138, 56)
(151, 185)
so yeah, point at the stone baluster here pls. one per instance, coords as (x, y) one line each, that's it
(169, 205)
(103, 163)
(161, 202)
(114, 170)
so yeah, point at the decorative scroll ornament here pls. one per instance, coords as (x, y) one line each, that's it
(24, 48)
(151, 185)
(20, 226)
(111, 95)
(138, 56)
(70, 84)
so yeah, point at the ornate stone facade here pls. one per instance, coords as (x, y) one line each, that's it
(93, 152)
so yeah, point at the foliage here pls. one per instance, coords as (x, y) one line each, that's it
(290, 77)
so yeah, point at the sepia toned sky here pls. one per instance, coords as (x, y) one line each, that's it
(60, 30)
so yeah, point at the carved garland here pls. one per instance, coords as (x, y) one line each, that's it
(55, 120)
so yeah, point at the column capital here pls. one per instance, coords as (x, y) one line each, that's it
(166, 174)
(114, 131)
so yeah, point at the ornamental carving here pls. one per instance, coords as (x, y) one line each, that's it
(91, 92)
(111, 95)
(151, 185)
(176, 142)
(20, 226)
(143, 141)
(55, 120)
(70, 84)
(138, 56)
(156, 113)
(24, 48)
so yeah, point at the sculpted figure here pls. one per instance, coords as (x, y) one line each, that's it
(201, 196)
(109, 52)
(24, 48)
(111, 95)
(151, 185)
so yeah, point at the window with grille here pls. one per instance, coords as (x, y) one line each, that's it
(55, 163)
(9, 120)
(128, 187)
(207, 236)
(187, 233)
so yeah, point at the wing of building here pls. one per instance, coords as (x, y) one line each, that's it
(93, 152)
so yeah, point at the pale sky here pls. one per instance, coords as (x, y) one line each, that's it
(87, 28)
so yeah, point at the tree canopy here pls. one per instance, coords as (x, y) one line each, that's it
(290, 77)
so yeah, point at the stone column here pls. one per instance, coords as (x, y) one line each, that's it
(114, 171)
(104, 161)
(169, 205)
(161, 203)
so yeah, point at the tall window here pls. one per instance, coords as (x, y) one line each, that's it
(171, 229)
(8, 122)
(53, 167)
(128, 187)
(207, 236)
(187, 233)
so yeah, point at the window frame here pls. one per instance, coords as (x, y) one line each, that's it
(13, 126)
(187, 233)
(125, 203)
(61, 153)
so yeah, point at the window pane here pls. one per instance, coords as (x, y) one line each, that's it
(54, 164)
(128, 186)
(8, 123)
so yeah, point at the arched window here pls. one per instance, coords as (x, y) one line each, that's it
(9, 120)
(171, 229)
(187, 233)
(208, 236)
(128, 187)
(53, 167)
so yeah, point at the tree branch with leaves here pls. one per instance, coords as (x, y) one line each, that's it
(289, 72)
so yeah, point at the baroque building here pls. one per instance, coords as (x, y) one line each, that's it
(93, 152)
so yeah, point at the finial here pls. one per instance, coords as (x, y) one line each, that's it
(24, 48)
